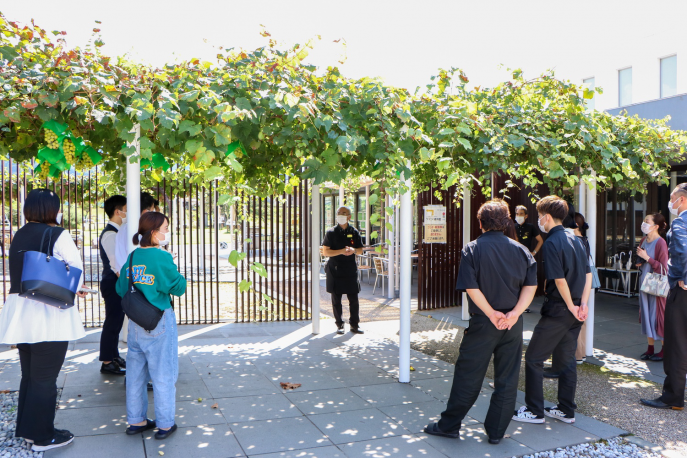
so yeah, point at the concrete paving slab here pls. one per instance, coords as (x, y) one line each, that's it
(438, 388)
(84, 396)
(310, 379)
(92, 421)
(596, 427)
(85, 447)
(320, 452)
(194, 413)
(254, 408)
(357, 425)
(391, 394)
(216, 441)
(415, 417)
(359, 376)
(548, 436)
(474, 443)
(327, 401)
(270, 436)
(408, 446)
(244, 385)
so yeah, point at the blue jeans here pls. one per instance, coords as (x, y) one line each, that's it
(155, 353)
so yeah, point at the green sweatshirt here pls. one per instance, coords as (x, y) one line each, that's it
(155, 275)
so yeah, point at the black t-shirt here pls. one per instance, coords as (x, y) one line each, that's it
(565, 257)
(527, 234)
(499, 267)
(338, 238)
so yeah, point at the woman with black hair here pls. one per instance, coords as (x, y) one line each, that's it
(152, 352)
(41, 332)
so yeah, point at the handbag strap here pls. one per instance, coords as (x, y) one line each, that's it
(131, 270)
(51, 245)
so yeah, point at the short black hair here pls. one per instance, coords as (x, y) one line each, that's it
(554, 206)
(147, 201)
(523, 208)
(42, 206)
(113, 204)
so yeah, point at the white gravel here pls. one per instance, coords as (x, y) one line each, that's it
(11, 446)
(613, 448)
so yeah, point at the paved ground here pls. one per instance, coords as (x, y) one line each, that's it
(350, 403)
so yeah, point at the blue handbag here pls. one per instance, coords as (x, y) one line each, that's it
(47, 279)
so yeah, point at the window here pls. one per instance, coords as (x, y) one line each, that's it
(624, 87)
(590, 84)
(668, 76)
(361, 215)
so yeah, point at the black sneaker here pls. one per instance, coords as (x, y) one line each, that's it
(555, 412)
(58, 440)
(112, 368)
(121, 361)
(525, 415)
(433, 429)
(357, 331)
(61, 431)
(340, 329)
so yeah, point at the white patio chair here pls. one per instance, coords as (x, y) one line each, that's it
(382, 271)
(363, 266)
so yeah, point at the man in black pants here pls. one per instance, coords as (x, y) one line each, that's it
(115, 208)
(500, 278)
(341, 244)
(568, 284)
(675, 343)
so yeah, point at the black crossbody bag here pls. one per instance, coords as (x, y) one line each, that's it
(137, 307)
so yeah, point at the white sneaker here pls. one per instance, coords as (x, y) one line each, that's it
(525, 415)
(580, 361)
(555, 412)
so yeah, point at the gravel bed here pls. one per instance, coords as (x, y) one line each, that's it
(613, 448)
(11, 446)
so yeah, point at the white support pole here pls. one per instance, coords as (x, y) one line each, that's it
(591, 235)
(406, 235)
(368, 227)
(673, 183)
(391, 256)
(467, 225)
(342, 196)
(133, 203)
(315, 259)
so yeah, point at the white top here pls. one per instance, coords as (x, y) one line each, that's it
(107, 241)
(121, 249)
(23, 320)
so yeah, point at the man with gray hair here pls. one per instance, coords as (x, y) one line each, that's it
(341, 244)
(675, 321)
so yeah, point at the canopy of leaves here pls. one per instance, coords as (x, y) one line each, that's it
(259, 120)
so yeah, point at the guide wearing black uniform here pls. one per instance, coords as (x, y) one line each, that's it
(500, 277)
(341, 244)
(568, 284)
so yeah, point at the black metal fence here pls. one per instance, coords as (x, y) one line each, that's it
(273, 232)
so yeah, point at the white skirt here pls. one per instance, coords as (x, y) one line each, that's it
(25, 321)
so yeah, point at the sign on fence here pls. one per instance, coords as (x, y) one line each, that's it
(435, 224)
(435, 233)
(435, 214)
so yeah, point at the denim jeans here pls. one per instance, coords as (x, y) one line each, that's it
(155, 353)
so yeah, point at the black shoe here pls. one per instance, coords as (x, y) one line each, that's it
(655, 358)
(121, 361)
(526, 311)
(162, 434)
(131, 430)
(150, 386)
(433, 429)
(60, 431)
(357, 331)
(646, 356)
(58, 440)
(340, 329)
(658, 404)
(112, 368)
(493, 440)
(551, 374)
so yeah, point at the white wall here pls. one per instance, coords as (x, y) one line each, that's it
(644, 57)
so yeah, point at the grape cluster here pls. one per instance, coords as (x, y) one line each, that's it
(51, 139)
(85, 163)
(69, 150)
(45, 170)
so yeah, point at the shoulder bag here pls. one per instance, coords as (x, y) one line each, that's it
(47, 279)
(596, 283)
(137, 307)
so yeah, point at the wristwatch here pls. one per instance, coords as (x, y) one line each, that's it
(534, 252)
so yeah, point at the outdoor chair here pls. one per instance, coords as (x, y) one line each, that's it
(381, 272)
(363, 266)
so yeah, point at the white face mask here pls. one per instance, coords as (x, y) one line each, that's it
(673, 209)
(520, 220)
(123, 218)
(341, 219)
(646, 228)
(541, 227)
(58, 218)
(164, 241)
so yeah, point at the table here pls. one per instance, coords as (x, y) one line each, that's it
(626, 280)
